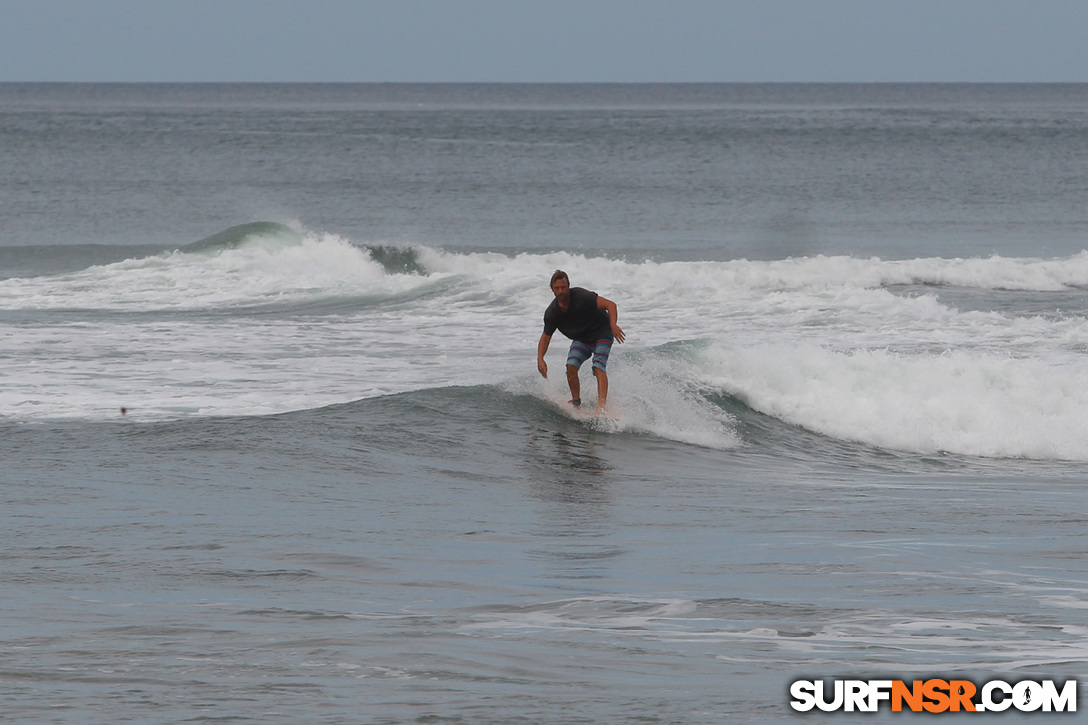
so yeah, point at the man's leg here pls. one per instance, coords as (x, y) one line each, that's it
(579, 353)
(600, 362)
(575, 385)
(602, 388)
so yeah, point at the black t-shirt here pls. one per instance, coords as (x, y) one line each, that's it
(582, 321)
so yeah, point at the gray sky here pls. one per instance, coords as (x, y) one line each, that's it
(544, 40)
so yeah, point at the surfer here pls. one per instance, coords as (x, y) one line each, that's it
(590, 321)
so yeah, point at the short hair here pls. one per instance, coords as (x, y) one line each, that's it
(558, 275)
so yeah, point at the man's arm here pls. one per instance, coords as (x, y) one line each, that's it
(541, 348)
(613, 316)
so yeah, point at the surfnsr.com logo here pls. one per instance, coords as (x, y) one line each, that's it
(934, 696)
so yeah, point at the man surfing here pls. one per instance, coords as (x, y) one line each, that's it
(590, 321)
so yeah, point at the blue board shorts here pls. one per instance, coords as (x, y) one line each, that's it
(580, 352)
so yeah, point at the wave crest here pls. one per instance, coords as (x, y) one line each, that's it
(963, 402)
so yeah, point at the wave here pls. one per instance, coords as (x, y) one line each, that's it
(266, 318)
(991, 273)
(963, 402)
(245, 266)
(642, 402)
(441, 420)
(236, 236)
(795, 273)
(394, 260)
(262, 262)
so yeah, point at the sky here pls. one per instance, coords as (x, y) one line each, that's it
(535, 41)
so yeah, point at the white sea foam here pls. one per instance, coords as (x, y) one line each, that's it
(818, 342)
(260, 271)
(644, 399)
(962, 402)
(993, 273)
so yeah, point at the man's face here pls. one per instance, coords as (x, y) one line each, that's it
(561, 290)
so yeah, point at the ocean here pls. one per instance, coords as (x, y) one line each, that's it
(275, 449)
